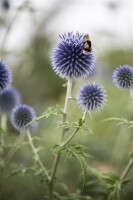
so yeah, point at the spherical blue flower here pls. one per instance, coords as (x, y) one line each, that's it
(21, 115)
(68, 59)
(9, 99)
(91, 97)
(5, 4)
(5, 76)
(123, 76)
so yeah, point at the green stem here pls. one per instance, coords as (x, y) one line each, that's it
(131, 94)
(70, 138)
(36, 154)
(2, 138)
(3, 127)
(127, 169)
(4, 122)
(57, 158)
(84, 115)
(124, 174)
(68, 95)
(51, 184)
(74, 133)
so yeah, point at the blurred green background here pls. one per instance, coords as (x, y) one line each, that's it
(28, 32)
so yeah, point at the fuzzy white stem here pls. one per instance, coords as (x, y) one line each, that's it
(68, 94)
(84, 115)
(131, 94)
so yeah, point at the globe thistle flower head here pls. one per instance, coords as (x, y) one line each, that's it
(123, 77)
(68, 59)
(9, 99)
(5, 76)
(21, 115)
(5, 4)
(91, 97)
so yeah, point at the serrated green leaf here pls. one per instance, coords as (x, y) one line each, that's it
(84, 167)
(69, 155)
(53, 111)
(109, 181)
(126, 182)
(121, 121)
(66, 125)
(76, 150)
(49, 112)
(112, 176)
(113, 119)
(57, 149)
(81, 126)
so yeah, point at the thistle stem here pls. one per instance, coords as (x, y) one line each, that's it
(84, 115)
(70, 138)
(2, 138)
(68, 94)
(68, 97)
(127, 169)
(57, 158)
(36, 154)
(4, 122)
(74, 133)
(3, 127)
(131, 95)
(124, 174)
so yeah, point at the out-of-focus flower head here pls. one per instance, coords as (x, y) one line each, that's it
(5, 76)
(123, 77)
(9, 99)
(21, 115)
(5, 4)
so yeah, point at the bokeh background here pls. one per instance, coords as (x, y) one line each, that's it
(29, 30)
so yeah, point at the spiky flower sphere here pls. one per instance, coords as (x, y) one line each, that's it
(91, 97)
(5, 4)
(21, 115)
(5, 76)
(68, 59)
(9, 99)
(123, 77)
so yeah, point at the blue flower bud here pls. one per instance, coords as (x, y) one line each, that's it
(22, 115)
(91, 97)
(123, 77)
